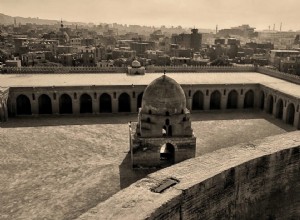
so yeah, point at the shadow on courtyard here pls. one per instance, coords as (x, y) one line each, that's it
(128, 175)
(243, 114)
(121, 118)
(53, 120)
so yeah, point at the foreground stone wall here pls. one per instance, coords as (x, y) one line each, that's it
(4, 92)
(258, 180)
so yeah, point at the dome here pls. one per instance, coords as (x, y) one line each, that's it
(164, 96)
(136, 64)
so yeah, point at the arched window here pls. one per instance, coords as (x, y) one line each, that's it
(167, 113)
(45, 105)
(167, 122)
(23, 105)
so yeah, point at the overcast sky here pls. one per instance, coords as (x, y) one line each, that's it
(187, 13)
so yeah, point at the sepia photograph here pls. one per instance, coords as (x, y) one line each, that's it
(149, 109)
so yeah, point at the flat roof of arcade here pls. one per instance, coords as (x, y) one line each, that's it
(111, 79)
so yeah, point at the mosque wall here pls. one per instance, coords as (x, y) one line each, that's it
(118, 99)
(259, 180)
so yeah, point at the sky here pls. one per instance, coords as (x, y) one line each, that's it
(187, 13)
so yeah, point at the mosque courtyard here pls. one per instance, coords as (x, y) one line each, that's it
(60, 167)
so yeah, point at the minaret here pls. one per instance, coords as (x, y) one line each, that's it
(280, 26)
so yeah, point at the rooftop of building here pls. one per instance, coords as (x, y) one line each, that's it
(287, 51)
(117, 79)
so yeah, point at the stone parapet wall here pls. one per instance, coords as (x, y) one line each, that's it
(281, 75)
(200, 69)
(258, 180)
(149, 69)
(60, 70)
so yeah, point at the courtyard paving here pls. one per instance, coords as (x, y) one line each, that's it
(60, 167)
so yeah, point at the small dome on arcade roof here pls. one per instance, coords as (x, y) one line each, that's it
(136, 64)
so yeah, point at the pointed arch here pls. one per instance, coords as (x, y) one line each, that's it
(23, 105)
(290, 114)
(45, 104)
(105, 103)
(270, 102)
(86, 103)
(279, 109)
(198, 99)
(65, 104)
(124, 102)
(261, 100)
(249, 99)
(232, 100)
(167, 154)
(215, 100)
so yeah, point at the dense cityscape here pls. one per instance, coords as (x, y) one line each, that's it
(149, 109)
(45, 43)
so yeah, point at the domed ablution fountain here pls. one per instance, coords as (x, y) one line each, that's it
(163, 134)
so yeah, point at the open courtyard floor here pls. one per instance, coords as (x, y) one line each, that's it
(60, 167)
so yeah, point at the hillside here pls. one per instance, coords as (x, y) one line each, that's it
(6, 19)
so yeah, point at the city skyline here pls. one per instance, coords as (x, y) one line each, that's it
(201, 14)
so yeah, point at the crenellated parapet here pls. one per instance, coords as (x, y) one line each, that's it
(4, 92)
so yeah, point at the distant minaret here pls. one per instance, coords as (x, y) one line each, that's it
(280, 26)
(216, 29)
(61, 23)
(15, 22)
(273, 27)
